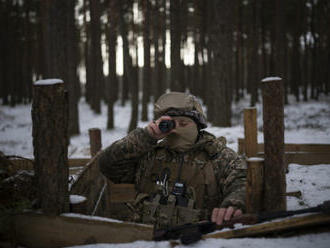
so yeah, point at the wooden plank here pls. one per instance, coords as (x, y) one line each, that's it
(89, 184)
(27, 164)
(50, 118)
(290, 147)
(122, 193)
(75, 170)
(274, 165)
(250, 131)
(22, 164)
(296, 194)
(77, 162)
(254, 185)
(37, 230)
(304, 158)
(95, 140)
(275, 226)
(307, 158)
(312, 148)
(241, 146)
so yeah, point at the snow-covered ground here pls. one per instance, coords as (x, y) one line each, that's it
(304, 123)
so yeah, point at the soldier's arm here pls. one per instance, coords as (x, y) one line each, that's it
(118, 161)
(233, 179)
(231, 175)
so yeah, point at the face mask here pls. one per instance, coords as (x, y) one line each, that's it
(183, 138)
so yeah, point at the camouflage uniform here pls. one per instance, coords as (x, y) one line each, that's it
(212, 174)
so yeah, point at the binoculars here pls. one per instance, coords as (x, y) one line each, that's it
(166, 125)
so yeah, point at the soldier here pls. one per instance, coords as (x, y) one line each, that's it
(182, 173)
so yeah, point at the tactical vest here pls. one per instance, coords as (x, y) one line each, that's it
(176, 188)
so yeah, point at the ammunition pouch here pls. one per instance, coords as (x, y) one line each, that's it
(171, 214)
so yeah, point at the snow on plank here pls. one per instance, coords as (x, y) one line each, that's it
(50, 81)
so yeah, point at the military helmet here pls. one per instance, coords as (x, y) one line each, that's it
(180, 104)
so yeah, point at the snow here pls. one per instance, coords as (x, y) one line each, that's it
(271, 79)
(89, 217)
(76, 199)
(306, 241)
(254, 159)
(304, 123)
(50, 81)
(312, 181)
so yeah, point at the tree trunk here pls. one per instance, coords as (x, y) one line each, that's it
(129, 72)
(176, 63)
(4, 50)
(295, 63)
(95, 56)
(73, 84)
(274, 170)
(263, 39)
(238, 58)
(157, 35)
(87, 44)
(221, 40)
(162, 72)
(112, 88)
(135, 102)
(253, 56)
(28, 49)
(50, 143)
(61, 52)
(314, 52)
(146, 68)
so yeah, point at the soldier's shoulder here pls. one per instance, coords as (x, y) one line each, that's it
(213, 145)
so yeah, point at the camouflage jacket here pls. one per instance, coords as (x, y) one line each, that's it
(215, 172)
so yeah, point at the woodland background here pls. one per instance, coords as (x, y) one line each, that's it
(219, 50)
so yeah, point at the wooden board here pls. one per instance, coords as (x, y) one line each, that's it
(90, 183)
(304, 158)
(313, 220)
(307, 158)
(250, 131)
(291, 147)
(77, 162)
(122, 192)
(37, 230)
(26, 164)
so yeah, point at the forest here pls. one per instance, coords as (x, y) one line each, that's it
(132, 51)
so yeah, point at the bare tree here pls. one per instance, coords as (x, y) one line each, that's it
(146, 69)
(176, 31)
(95, 57)
(220, 42)
(112, 86)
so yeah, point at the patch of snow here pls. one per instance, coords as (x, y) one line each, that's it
(271, 79)
(89, 217)
(76, 199)
(50, 81)
(254, 159)
(136, 244)
(321, 240)
(312, 181)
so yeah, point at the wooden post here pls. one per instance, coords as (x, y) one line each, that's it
(254, 186)
(250, 132)
(274, 166)
(95, 141)
(241, 146)
(50, 143)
